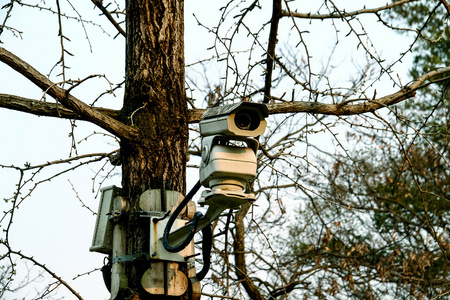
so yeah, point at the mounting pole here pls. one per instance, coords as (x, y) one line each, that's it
(119, 280)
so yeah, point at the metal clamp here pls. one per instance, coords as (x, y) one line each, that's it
(131, 257)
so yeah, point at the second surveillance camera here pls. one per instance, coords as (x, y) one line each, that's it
(244, 119)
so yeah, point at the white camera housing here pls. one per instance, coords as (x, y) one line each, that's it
(224, 162)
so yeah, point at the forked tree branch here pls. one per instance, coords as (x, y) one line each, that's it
(80, 108)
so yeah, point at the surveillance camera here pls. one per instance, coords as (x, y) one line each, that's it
(229, 149)
(244, 119)
(228, 165)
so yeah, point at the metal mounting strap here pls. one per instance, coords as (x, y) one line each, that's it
(131, 257)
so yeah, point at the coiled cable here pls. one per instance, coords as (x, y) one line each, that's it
(173, 217)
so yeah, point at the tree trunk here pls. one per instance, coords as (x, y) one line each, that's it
(154, 103)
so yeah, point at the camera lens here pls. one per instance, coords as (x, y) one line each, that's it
(247, 120)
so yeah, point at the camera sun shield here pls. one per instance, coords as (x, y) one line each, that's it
(244, 119)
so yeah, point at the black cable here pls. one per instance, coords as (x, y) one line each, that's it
(106, 273)
(174, 216)
(206, 251)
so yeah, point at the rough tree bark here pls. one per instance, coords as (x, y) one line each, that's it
(154, 103)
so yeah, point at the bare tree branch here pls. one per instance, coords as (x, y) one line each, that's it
(276, 15)
(47, 109)
(340, 15)
(59, 279)
(50, 109)
(447, 6)
(62, 96)
(100, 6)
(344, 108)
